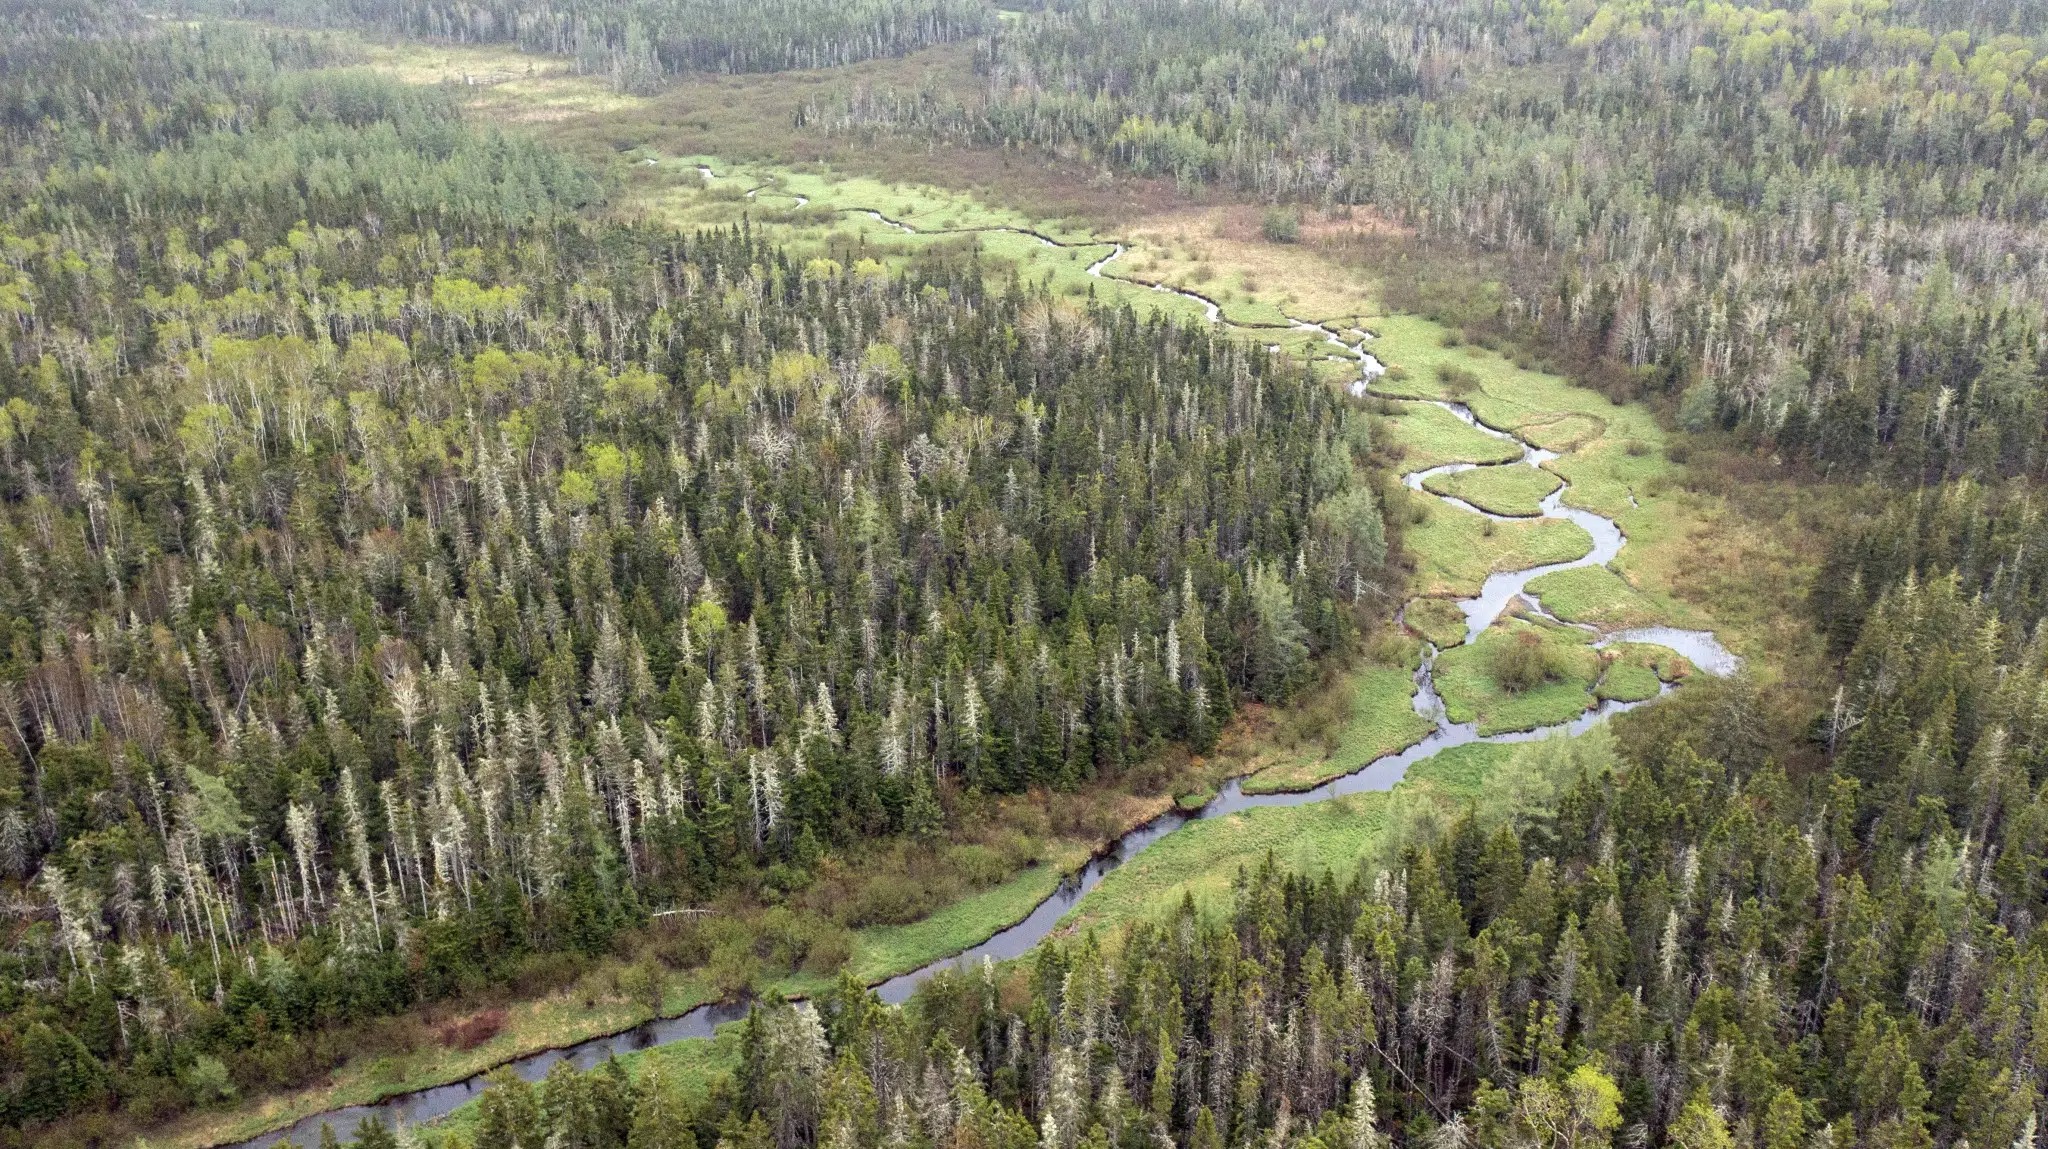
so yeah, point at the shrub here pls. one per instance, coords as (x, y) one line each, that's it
(978, 865)
(831, 946)
(1458, 381)
(890, 899)
(466, 1033)
(208, 1080)
(733, 970)
(1280, 226)
(1523, 663)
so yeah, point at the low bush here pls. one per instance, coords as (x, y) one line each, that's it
(1523, 663)
(466, 1033)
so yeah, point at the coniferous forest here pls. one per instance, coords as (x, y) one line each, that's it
(1819, 221)
(401, 569)
(424, 572)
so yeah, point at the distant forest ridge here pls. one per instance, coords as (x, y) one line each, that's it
(1822, 226)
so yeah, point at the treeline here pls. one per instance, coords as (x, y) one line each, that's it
(404, 576)
(1728, 931)
(223, 136)
(1820, 224)
(637, 43)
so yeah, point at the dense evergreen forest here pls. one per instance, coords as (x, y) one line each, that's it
(1725, 933)
(412, 578)
(635, 43)
(406, 576)
(1820, 221)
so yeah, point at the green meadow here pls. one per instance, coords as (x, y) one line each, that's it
(1509, 490)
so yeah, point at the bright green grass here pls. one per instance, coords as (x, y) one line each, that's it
(1437, 619)
(1509, 490)
(1383, 720)
(1430, 436)
(1461, 773)
(1604, 474)
(835, 222)
(1565, 434)
(884, 951)
(1465, 681)
(1243, 307)
(1626, 683)
(1611, 451)
(879, 952)
(1293, 342)
(1202, 858)
(1667, 664)
(1613, 457)
(1595, 595)
(1455, 549)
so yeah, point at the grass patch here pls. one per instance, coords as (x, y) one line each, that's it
(834, 222)
(592, 1007)
(1510, 490)
(1565, 434)
(1203, 858)
(1437, 619)
(1454, 549)
(1462, 772)
(1424, 435)
(1667, 664)
(1382, 720)
(884, 951)
(1595, 595)
(1693, 559)
(1610, 452)
(1624, 682)
(1216, 250)
(1605, 475)
(1003, 861)
(691, 1066)
(1470, 679)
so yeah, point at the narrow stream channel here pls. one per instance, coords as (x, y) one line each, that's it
(1700, 647)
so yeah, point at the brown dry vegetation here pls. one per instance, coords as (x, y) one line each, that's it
(753, 117)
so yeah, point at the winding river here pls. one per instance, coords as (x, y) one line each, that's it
(1700, 647)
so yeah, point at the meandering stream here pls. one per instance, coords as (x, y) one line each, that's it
(1699, 647)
